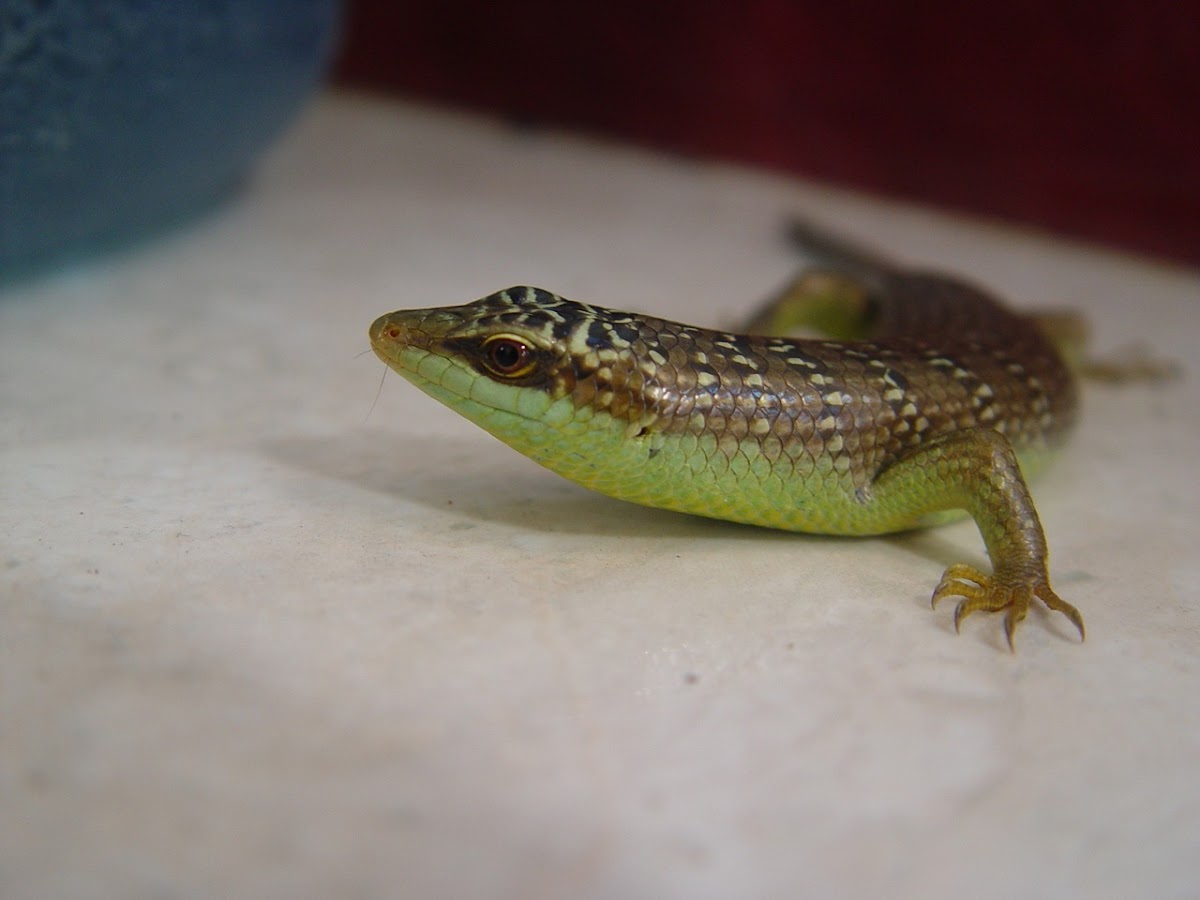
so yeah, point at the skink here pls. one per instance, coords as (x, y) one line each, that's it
(930, 401)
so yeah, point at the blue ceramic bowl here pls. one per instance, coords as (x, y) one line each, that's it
(121, 117)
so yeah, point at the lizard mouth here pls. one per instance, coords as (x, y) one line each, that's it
(395, 333)
(391, 333)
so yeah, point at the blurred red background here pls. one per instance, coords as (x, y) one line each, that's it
(1079, 118)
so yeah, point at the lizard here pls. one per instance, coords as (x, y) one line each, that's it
(925, 399)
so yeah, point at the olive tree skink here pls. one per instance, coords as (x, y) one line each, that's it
(928, 401)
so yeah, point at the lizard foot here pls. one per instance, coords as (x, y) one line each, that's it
(992, 593)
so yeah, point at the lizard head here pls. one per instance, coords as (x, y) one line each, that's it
(522, 363)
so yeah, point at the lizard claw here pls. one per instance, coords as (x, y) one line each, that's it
(993, 593)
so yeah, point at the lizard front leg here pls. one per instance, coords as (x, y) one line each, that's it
(977, 470)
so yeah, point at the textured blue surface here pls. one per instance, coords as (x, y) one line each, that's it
(120, 117)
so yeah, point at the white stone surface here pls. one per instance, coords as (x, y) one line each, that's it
(260, 638)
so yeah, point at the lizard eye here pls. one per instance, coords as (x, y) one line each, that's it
(508, 357)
